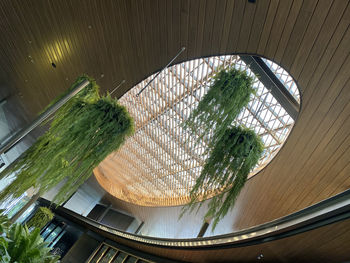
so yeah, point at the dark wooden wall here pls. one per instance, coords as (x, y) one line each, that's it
(132, 39)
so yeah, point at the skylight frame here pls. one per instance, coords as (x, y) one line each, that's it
(164, 162)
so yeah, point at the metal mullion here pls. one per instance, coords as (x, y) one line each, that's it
(277, 129)
(261, 122)
(94, 253)
(59, 235)
(276, 119)
(269, 79)
(277, 116)
(44, 229)
(264, 117)
(102, 254)
(125, 258)
(115, 255)
(50, 232)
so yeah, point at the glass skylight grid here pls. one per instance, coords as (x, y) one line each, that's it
(285, 78)
(161, 161)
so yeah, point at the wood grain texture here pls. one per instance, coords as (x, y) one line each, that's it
(132, 39)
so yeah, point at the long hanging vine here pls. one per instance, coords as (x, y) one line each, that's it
(232, 151)
(226, 97)
(82, 133)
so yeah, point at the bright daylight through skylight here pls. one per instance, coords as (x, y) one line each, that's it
(159, 164)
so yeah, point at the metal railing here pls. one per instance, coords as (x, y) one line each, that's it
(329, 211)
(7, 144)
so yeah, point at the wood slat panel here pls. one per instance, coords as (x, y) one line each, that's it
(133, 39)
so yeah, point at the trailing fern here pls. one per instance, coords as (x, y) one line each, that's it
(231, 152)
(42, 216)
(227, 169)
(228, 94)
(81, 134)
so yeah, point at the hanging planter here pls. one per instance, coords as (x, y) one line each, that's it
(226, 169)
(232, 152)
(81, 134)
(42, 216)
(226, 97)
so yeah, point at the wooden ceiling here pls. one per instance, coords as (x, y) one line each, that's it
(159, 164)
(130, 39)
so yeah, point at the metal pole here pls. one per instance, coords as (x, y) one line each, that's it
(121, 83)
(12, 141)
(271, 82)
(171, 61)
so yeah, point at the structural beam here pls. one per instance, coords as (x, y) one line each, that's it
(271, 82)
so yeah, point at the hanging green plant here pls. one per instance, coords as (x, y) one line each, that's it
(217, 110)
(89, 94)
(226, 169)
(4, 221)
(231, 151)
(42, 216)
(80, 136)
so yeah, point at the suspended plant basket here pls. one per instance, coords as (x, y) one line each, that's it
(226, 169)
(82, 133)
(226, 97)
(232, 151)
(42, 216)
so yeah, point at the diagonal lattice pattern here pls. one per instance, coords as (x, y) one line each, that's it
(159, 164)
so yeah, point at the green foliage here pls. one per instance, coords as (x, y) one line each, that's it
(42, 216)
(232, 151)
(81, 135)
(20, 245)
(4, 222)
(218, 109)
(227, 168)
(90, 93)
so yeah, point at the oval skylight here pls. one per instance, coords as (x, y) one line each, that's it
(159, 164)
